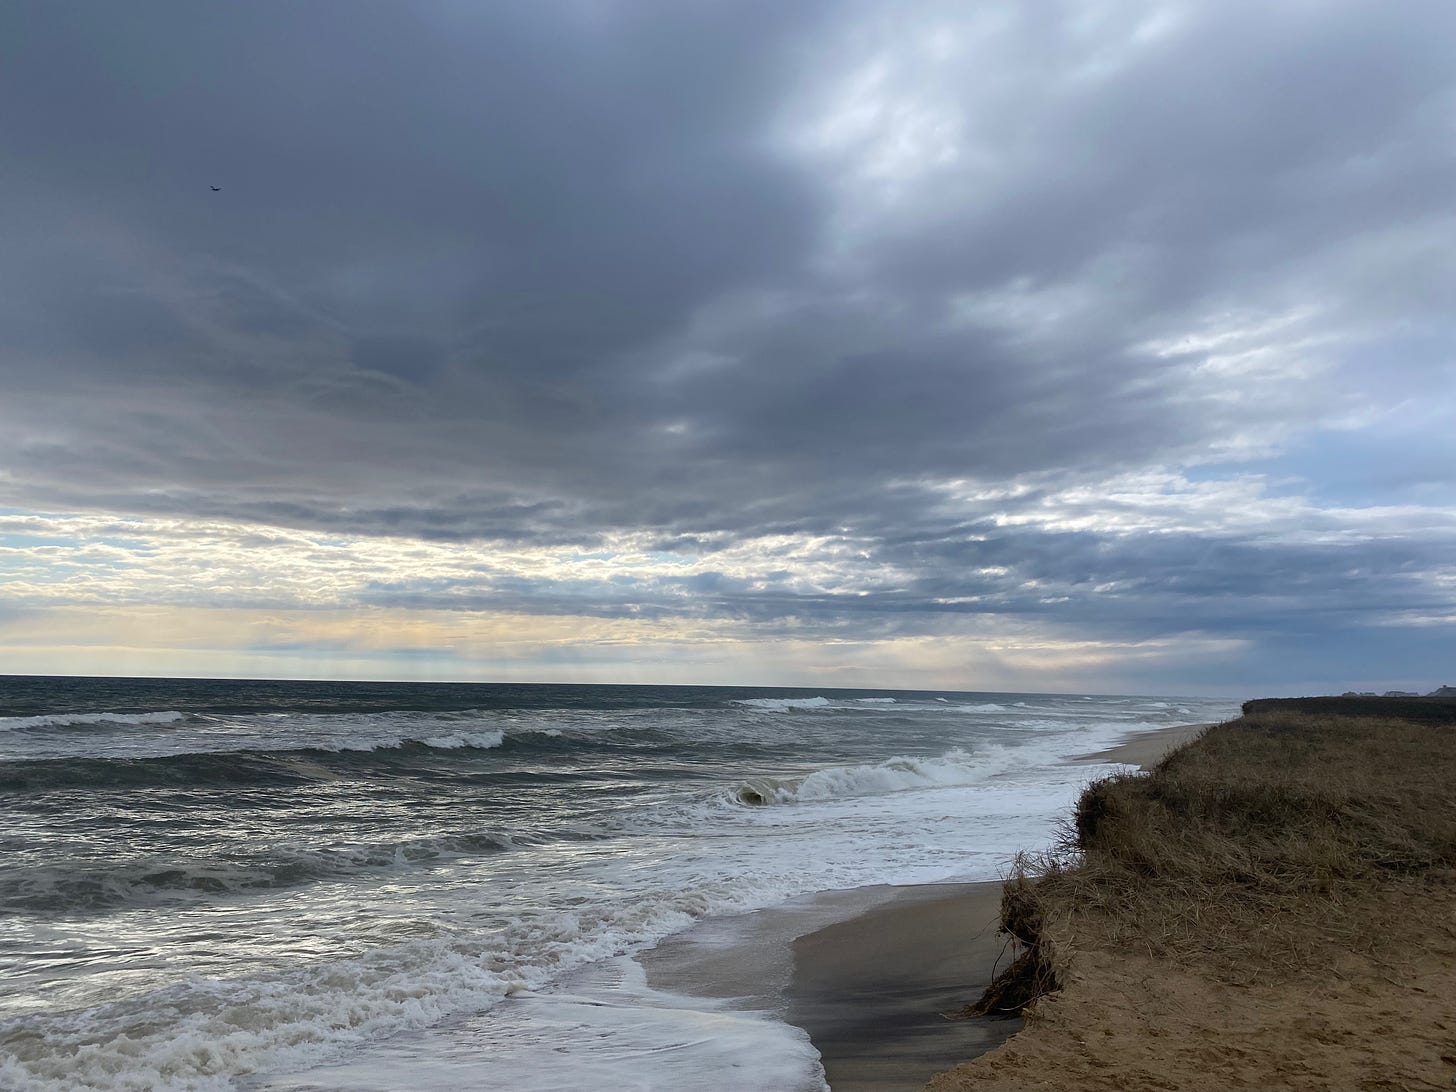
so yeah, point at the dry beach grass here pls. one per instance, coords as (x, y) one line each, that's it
(1271, 906)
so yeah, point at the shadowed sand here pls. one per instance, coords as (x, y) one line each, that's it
(870, 991)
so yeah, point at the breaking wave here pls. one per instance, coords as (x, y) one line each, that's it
(207, 1034)
(783, 705)
(955, 767)
(89, 720)
(303, 765)
(480, 741)
(40, 889)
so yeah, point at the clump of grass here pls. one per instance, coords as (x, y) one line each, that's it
(1031, 972)
(1237, 849)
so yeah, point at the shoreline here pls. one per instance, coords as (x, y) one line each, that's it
(865, 973)
(868, 972)
(871, 991)
(1146, 749)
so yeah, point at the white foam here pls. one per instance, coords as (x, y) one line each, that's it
(898, 774)
(604, 1027)
(452, 742)
(875, 701)
(783, 705)
(201, 1034)
(87, 720)
(480, 740)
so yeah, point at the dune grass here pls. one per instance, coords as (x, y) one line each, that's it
(1248, 852)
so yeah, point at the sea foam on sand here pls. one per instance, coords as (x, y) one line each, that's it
(603, 1027)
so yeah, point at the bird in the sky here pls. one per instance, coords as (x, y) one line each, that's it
(215, 189)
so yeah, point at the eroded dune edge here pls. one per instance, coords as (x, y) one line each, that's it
(1272, 905)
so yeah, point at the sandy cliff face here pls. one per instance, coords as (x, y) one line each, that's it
(1272, 906)
(1384, 1019)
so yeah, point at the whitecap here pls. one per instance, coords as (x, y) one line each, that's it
(900, 774)
(480, 740)
(89, 720)
(783, 705)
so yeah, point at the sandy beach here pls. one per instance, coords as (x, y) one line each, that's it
(1146, 748)
(870, 973)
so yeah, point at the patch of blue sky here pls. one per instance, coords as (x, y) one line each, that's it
(1374, 656)
(135, 545)
(1360, 469)
(16, 541)
(28, 541)
(1234, 467)
(54, 568)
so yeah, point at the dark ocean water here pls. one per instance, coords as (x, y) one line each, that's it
(238, 884)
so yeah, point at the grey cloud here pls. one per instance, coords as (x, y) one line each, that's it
(502, 205)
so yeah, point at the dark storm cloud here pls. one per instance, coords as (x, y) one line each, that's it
(480, 206)
(543, 273)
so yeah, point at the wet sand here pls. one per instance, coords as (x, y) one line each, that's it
(1146, 748)
(866, 972)
(870, 991)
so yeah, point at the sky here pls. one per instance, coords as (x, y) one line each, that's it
(1102, 345)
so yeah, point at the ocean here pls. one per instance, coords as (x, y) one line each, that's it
(308, 886)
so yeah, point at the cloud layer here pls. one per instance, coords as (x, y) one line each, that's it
(1116, 326)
